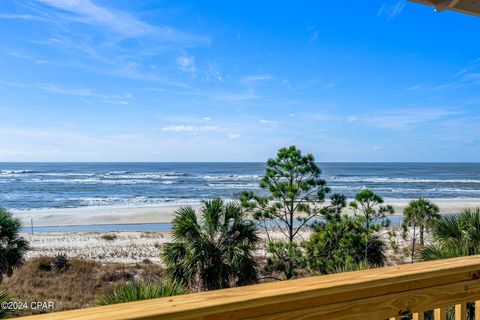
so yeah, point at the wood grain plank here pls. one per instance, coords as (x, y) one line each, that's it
(384, 306)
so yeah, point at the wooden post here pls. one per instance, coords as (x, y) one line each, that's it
(439, 314)
(461, 311)
(418, 316)
(477, 310)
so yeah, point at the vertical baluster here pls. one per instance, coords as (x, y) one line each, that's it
(461, 311)
(439, 314)
(477, 310)
(418, 316)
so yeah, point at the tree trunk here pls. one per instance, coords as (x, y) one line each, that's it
(290, 227)
(413, 241)
(368, 239)
(422, 231)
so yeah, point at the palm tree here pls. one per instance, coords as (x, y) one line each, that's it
(214, 253)
(455, 236)
(420, 214)
(12, 246)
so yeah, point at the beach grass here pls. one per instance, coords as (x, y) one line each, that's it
(78, 286)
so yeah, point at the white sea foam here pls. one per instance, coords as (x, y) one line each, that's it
(115, 202)
(232, 177)
(395, 190)
(398, 180)
(16, 171)
(101, 181)
(233, 185)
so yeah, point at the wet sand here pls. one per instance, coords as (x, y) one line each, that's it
(165, 214)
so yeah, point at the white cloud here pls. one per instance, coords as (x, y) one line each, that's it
(313, 34)
(351, 118)
(256, 77)
(21, 17)
(271, 123)
(235, 97)
(408, 118)
(321, 116)
(86, 11)
(119, 22)
(207, 118)
(21, 55)
(212, 72)
(186, 64)
(423, 87)
(391, 10)
(233, 135)
(125, 99)
(189, 128)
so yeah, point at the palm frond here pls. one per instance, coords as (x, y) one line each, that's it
(136, 291)
(212, 211)
(220, 254)
(5, 312)
(185, 225)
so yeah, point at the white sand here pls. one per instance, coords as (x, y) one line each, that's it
(446, 205)
(126, 247)
(98, 215)
(135, 246)
(164, 214)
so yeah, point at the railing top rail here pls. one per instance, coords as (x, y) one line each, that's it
(263, 301)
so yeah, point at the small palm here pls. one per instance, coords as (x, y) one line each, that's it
(12, 246)
(216, 252)
(455, 236)
(420, 214)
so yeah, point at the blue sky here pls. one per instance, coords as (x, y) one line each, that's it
(97, 80)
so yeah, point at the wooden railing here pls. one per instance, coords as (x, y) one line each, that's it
(384, 293)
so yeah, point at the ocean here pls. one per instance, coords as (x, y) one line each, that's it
(28, 186)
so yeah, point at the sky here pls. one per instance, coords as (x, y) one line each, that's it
(98, 80)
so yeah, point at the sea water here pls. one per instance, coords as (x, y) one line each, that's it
(26, 186)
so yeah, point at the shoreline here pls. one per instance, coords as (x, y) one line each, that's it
(98, 216)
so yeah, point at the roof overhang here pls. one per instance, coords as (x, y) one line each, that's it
(464, 6)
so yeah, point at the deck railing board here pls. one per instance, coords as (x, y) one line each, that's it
(369, 294)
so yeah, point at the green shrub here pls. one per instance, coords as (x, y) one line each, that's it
(60, 262)
(135, 291)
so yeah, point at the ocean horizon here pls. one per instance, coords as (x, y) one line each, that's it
(48, 185)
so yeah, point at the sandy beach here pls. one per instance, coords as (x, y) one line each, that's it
(98, 215)
(165, 214)
(132, 246)
(119, 247)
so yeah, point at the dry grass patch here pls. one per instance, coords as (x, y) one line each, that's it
(76, 287)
